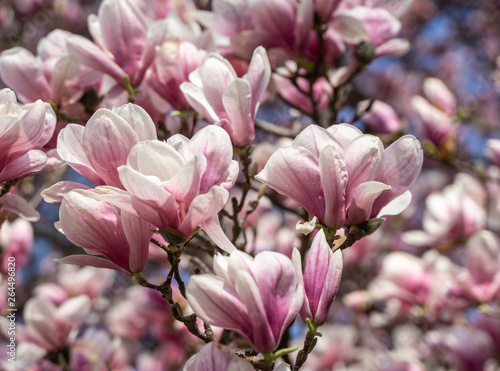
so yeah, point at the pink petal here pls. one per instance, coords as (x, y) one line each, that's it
(107, 141)
(196, 99)
(396, 206)
(93, 261)
(92, 56)
(237, 100)
(258, 75)
(360, 208)
(22, 72)
(215, 145)
(344, 134)
(217, 303)
(139, 120)
(56, 192)
(216, 74)
(400, 168)
(203, 207)
(315, 139)
(31, 162)
(19, 206)
(123, 30)
(262, 337)
(185, 185)
(138, 233)
(277, 283)
(212, 228)
(294, 172)
(71, 149)
(333, 173)
(363, 159)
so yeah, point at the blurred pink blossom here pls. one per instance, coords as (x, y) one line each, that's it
(16, 241)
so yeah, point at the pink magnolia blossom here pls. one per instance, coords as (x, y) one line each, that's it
(435, 114)
(97, 149)
(16, 241)
(258, 298)
(343, 177)
(25, 130)
(466, 355)
(102, 229)
(173, 63)
(73, 281)
(380, 28)
(406, 281)
(402, 276)
(282, 26)
(51, 75)
(219, 95)
(124, 42)
(49, 326)
(95, 349)
(455, 213)
(179, 185)
(381, 117)
(480, 280)
(217, 357)
(322, 273)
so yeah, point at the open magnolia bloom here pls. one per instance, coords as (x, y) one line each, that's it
(219, 95)
(177, 185)
(258, 298)
(344, 177)
(24, 131)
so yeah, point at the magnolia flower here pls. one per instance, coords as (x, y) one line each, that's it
(16, 240)
(453, 214)
(50, 327)
(25, 130)
(102, 229)
(173, 63)
(98, 148)
(465, 354)
(125, 42)
(178, 185)
(343, 177)
(381, 117)
(258, 298)
(51, 75)
(435, 114)
(219, 95)
(380, 27)
(479, 282)
(322, 273)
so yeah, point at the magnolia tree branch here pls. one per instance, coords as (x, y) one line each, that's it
(165, 288)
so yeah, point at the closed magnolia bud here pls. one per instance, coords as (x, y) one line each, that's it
(322, 273)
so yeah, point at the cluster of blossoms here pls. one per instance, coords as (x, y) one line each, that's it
(217, 171)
